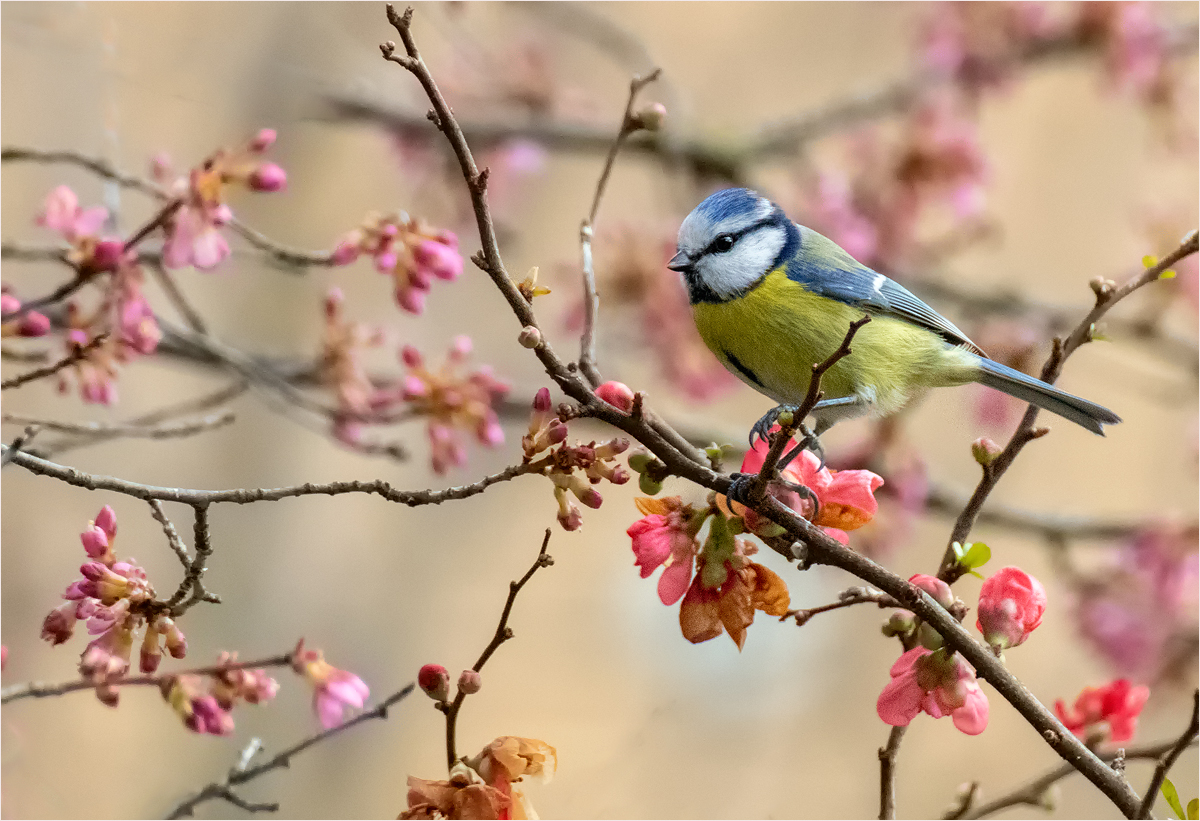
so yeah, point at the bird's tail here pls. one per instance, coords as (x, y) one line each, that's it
(1036, 392)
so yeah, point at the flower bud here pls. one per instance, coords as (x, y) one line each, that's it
(928, 637)
(651, 117)
(984, 450)
(435, 681)
(900, 623)
(469, 682)
(1011, 604)
(640, 461)
(107, 254)
(411, 357)
(530, 337)
(34, 324)
(648, 485)
(268, 177)
(263, 140)
(616, 394)
(935, 587)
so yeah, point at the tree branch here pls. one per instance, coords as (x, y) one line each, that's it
(887, 773)
(1167, 761)
(77, 354)
(503, 633)
(241, 774)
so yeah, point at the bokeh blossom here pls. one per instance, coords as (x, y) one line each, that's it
(343, 372)
(30, 323)
(1116, 704)
(407, 249)
(1011, 604)
(939, 683)
(205, 703)
(334, 690)
(194, 234)
(453, 402)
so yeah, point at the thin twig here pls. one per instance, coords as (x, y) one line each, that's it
(503, 633)
(591, 300)
(193, 579)
(17, 444)
(172, 535)
(241, 775)
(1107, 296)
(176, 296)
(847, 598)
(37, 689)
(1167, 761)
(887, 773)
(77, 354)
(174, 431)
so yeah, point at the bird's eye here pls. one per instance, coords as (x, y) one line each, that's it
(723, 243)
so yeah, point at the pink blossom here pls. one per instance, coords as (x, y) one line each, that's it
(1011, 604)
(469, 682)
(938, 590)
(440, 257)
(334, 690)
(28, 324)
(62, 213)
(659, 539)
(200, 710)
(1117, 703)
(831, 210)
(937, 683)
(846, 498)
(263, 140)
(194, 239)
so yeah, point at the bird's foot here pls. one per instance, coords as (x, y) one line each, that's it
(812, 442)
(743, 483)
(762, 428)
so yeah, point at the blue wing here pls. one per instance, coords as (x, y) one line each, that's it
(824, 267)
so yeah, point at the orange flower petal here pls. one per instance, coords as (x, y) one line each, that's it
(698, 616)
(649, 506)
(735, 607)
(770, 593)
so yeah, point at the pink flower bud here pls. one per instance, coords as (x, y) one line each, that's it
(589, 496)
(441, 260)
(411, 357)
(460, 348)
(414, 388)
(268, 177)
(541, 400)
(435, 681)
(385, 262)
(263, 140)
(489, 431)
(175, 640)
(411, 300)
(150, 654)
(59, 624)
(34, 324)
(469, 682)
(935, 587)
(344, 254)
(106, 520)
(556, 431)
(108, 254)
(1011, 604)
(9, 303)
(221, 215)
(616, 394)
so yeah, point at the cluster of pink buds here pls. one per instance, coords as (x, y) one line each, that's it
(409, 250)
(114, 599)
(453, 402)
(80, 227)
(204, 703)
(193, 231)
(434, 681)
(574, 469)
(30, 323)
(334, 690)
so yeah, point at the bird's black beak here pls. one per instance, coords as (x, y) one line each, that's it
(680, 262)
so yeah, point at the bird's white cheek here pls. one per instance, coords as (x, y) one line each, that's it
(733, 272)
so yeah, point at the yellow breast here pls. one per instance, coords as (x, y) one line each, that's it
(772, 336)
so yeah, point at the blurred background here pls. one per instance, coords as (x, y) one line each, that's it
(995, 158)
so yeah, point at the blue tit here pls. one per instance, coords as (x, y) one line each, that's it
(771, 298)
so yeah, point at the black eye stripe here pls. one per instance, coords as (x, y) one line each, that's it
(749, 229)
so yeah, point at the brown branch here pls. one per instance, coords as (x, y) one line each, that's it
(173, 540)
(887, 773)
(591, 300)
(1032, 793)
(243, 774)
(242, 496)
(1107, 296)
(847, 598)
(17, 444)
(503, 633)
(1167, 761)
(780, 441)
(286, 255)
(193, 579)
(37, 689)
(78, 353)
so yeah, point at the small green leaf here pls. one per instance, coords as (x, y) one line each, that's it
(1193, 809)
(1172, 796)
(976, 574)
(977, 555)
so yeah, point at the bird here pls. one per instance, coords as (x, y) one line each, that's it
(772, 298)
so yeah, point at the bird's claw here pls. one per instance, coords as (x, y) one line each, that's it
(762, 428)
(739, 488)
